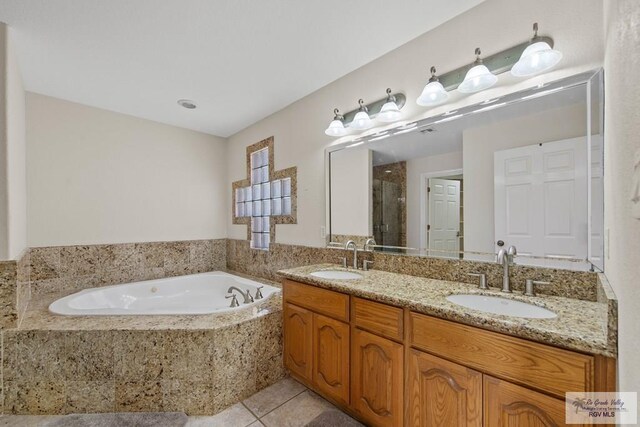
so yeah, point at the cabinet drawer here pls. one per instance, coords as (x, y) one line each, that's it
(381, 319)
(546, 368)
(323, 301)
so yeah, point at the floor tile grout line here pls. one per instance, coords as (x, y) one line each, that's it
(291, 398)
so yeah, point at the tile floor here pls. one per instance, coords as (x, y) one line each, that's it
(284, 404)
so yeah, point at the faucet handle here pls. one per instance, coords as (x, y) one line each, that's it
(365, 264)
(483, 280)
(259, 293)
(234, 301)
(344, 261)
(249, 298)
(529, 286)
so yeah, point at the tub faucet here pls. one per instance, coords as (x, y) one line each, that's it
(505, 258)
(369, 241)
(355, 252)
(246, 295)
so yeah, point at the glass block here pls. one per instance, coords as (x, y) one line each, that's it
(257, 192)
(248, 208)
(264, 174)
(266, 227)
(276, 206)
(256, 224)
(239, 209)
(239, 195)
(248, 194)
(255, 176)
(255, 160)
(264, 157)
(266, 207)
(256, 239)
(286, 206)
(286, 187)
(276, 188)
(257, 208)
(265, 240)
(266, 190)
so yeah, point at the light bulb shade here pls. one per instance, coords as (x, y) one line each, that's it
(361, 121)
(336, 128)
(478, 78)
(432, 94)
(389, 112)
(536, 58)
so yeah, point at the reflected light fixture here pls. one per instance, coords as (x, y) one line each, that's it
(478, 77)
(389, 111)
(336, 127)
(539, 56)
(433, 93)
(362, 120)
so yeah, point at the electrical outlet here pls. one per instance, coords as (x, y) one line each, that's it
(323, 232)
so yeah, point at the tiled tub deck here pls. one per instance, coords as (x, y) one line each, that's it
(196, 364)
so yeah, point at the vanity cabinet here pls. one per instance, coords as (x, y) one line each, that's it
(441, 390)
(389, 366)
(331, 357)
(377, 379)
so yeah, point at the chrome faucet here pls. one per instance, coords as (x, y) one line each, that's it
(355, 252)
(246, 295)
(505, 257)
(369, 241)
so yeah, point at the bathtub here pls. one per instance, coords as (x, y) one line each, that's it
(194, 294)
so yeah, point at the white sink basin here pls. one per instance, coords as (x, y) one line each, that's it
(504, 306)
(336, 274)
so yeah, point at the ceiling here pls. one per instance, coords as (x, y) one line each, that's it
(239, 60)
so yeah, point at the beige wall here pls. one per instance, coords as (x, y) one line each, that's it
(478, 147)
(96, 176)
(622, 143)
(298, 130)
(13, 191)
(351, 189)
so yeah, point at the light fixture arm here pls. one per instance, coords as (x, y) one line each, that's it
(337, 115)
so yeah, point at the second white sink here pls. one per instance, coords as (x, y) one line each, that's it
(336, 275)
(504, 306)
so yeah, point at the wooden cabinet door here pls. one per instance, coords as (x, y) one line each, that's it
(298, 335)
(377, 379)
(331, 357)
(442, 393)
(507, 404)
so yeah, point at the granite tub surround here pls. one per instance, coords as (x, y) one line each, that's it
(8, 287)
(199, 365)
(58, 268)
(580, 325)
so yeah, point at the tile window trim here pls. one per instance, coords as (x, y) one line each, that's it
(266, 197)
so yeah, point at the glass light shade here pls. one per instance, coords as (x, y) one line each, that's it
(336, 128)
(432, 94)
(478, 78)
(361, 121)
(389, 112)
(536, 58)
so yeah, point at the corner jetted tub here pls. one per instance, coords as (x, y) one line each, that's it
(194, 294)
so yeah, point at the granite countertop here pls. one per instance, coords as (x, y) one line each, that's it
(579, 325)
(38, 316)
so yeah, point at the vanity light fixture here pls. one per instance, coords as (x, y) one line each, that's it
(361, 121)
(538, 57)
(478, 77)
(336, 127)
(389, 111)
(433, 93)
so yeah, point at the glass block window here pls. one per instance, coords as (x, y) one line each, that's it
(262, 199)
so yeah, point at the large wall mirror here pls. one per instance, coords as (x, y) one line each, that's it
(524, 169)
